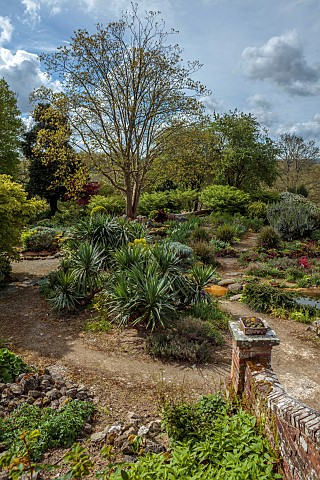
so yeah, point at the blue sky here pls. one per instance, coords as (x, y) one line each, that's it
(259, 56)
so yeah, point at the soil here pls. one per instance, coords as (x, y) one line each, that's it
(115, 365)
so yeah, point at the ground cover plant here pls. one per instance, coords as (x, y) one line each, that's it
(11, 365)
(265, 298)
(209, 439)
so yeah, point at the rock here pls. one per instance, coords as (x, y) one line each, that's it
(120, 440)
(53, 394)
(29, 383)
(115, 429)
(235, 287)
(152, 447)
(16, 389)
(154, 426)
(98, 437)
(143, 431)
(126, 448)
(87, 429)
(82, 395)
(225, 282)
(2, 387)
(315, 327)
(34, 393)
(235, 298)
(216, 290)
(71, 392)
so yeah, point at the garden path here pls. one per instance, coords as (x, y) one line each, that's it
(122, 376)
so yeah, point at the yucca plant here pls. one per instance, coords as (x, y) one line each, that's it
(128, 255)
(65, 294)
(86, 266)
(143, 296)
(200, 277)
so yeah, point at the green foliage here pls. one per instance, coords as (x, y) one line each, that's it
(63, 290)
(245, 155)
(210, 312)
(111, 204)
(86, 265)
(38, 238)
(268, 238)
(263, 297)
(257, 210)
(205, 253)
(201, 234)
(181, 232)
(10, 131)
(58, 428)
(226, 233)
(5, 268)
(172, 200)
(265, 196)
(142, 295)
(200, 277)
(55, 169)
(184, 252)
(97, 326)
(223, 198)
(11, 366)
(15, 210)
(293, 216)
(190, 339)
(210, 441)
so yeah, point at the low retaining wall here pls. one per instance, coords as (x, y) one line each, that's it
(292, 427)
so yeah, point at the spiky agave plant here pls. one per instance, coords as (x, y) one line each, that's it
(65, 294)
(200, 277)
(86, 265)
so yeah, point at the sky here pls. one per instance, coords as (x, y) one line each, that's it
(258, 56)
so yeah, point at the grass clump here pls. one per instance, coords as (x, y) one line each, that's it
(190, 340)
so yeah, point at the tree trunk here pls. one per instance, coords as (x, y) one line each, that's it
(53, 202)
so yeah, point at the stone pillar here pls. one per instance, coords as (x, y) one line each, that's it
(254, 348)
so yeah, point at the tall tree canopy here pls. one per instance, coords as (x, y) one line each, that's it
(297, 159)
(124, 86)
(54, 169)
(10, 131)
(246, 156)
(187, 157)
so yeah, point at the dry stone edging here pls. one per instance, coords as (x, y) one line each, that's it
(122, 436)
(44, 389)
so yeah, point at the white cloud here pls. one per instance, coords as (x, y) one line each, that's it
(211, 103)
(262, 109)
(282, 61)
(32, 12)
(308, 130)
(22, 72)
(6, 30)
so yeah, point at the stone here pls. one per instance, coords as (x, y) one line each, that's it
(235, 287)
(235, 298)
(34, 393)
(126, 448)
(216, 290)
(71, 392)
(143, 431)
(53, 394)
(115, 429)
(225, 282)
(16, 389)
(152, 447)
(315, 327)
(29, 383)
(82, 395)
(154, 426)
(98, 437)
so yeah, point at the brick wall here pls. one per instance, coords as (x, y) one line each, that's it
(291, 426)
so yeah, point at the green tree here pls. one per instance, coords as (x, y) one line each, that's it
(54, 167)
(15, 210)
(10, 131)
(297, 158)
(246, 156)
(187, 157)
(124, 86)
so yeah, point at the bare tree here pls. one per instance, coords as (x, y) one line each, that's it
(297, 158)
(123, 87)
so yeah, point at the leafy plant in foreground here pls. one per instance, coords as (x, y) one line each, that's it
(11, 365)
